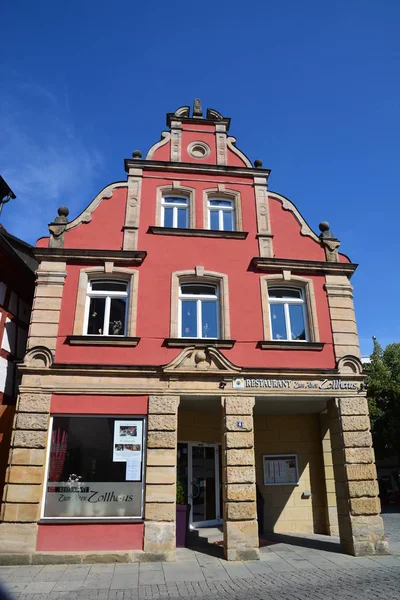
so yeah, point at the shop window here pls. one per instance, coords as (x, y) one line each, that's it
(175, 212)
(287, 314)
(199, 310)
(95, 467)
(106, 307)
(221, 214)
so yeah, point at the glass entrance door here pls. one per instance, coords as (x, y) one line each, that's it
(204, 484)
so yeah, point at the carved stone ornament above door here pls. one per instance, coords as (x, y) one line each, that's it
(193, 360)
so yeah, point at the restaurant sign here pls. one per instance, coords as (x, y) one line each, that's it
(240, 383)
(93, 500)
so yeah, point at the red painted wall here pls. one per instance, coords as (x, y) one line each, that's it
(63, 404)
(92, 536)
(104, 232)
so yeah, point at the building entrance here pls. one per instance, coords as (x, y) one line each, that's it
(199, 466)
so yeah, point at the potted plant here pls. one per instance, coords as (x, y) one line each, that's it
(182, 515)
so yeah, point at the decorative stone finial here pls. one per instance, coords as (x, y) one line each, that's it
(329, 242)
(197, 110)
(258, 163)
(63, 211)
(137, 154)
(57, 228)
(324, 229)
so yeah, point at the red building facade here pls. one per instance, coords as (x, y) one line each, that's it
(190, 330)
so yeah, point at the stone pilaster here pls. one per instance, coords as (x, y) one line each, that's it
(332, 525)
(45, 316)
(25, 474)
(160, 491)
(343, 320)
(132, 214)
(239, 480)
(222, 152)
(176, 141)
(360, 525)
(264, 233)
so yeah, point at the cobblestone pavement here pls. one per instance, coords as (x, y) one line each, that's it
(391, 519)
(292, 568)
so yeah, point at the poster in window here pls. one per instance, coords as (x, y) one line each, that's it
(280, 469)
(128, 439)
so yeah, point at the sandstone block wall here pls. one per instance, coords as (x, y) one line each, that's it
(25, 474)
(286, 510)
(198, 426)
(343, 320)
(160, 490)
(360, 525)
(43, 330)
(239, 480)
(332, 525)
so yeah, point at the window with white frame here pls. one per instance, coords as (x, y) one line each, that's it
(106, 307)
(199, 310)
(221, 214)
(287, 310)
(175, 211)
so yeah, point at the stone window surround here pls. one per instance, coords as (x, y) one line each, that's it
(289, 280)
(176, 189)
(200, 275)
(109, 271)
(220, 193)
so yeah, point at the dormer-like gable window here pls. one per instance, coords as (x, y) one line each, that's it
(222, 209)
(175, 211)
(175, 207)
(221, 214)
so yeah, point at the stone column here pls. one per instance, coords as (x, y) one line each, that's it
(360, 526)
(332, 525)
(25, 474)
(160, 491)
(239, 480)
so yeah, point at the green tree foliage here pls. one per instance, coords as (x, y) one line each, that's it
(384, 398)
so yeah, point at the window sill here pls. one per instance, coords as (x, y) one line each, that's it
(101, 340)
(286, 345)
(75, 520)
(198, 342)
(236, 235)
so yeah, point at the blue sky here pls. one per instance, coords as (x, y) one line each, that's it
(313, 89)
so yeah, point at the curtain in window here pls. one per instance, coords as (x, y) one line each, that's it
(58, 454)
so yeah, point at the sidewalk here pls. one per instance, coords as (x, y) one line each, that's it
(200, 572)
